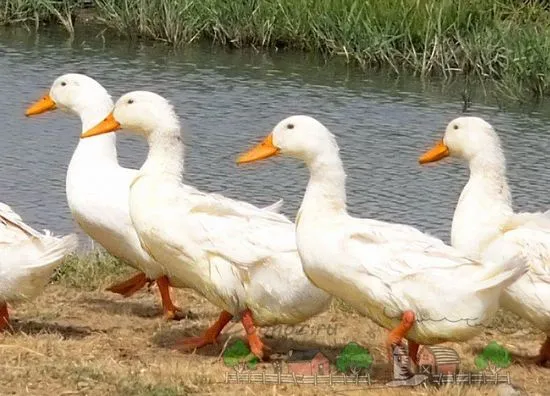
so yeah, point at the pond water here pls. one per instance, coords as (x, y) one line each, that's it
(228, 100)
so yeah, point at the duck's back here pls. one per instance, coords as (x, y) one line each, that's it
(525, 233)
(28, 258)
(200, 235)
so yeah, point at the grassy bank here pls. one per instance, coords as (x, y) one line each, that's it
(507, 41)
(91, 270)
(76, 338)
(40, 12)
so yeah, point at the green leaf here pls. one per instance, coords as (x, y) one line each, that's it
(495, 354)
(252, 360)
(238, 353)
(353, 357)
(480, 362)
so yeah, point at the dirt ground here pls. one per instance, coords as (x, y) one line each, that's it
(75, 342)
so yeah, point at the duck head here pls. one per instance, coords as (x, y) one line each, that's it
(141, 112)
(72, 92)
(465, 138)
(298, 136)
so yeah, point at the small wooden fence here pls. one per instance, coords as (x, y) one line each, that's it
(297, 379)
(470, 379)
(341, 379)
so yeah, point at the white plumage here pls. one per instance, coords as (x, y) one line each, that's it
(383, 270)
(485, 225)
(28, 258)
(98, 187)
(240, 257)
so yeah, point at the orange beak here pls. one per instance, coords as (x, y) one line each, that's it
(263, 150)
(41, 106)
(109, 124)
(437, 152)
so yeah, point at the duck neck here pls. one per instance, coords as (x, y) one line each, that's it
(488, 178)
(165, 155)
(484, 204)
(101, 148)
(326, 189)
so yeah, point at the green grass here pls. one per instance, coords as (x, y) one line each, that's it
(39, 11)
(507, 41)
(91, 270)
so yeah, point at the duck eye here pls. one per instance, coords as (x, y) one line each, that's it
(130, 101)
(290, 126)
(63, 83)
(455, 126)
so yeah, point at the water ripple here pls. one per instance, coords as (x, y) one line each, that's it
(228, 100)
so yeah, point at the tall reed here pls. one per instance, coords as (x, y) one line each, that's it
(507, 41)
(38, 11)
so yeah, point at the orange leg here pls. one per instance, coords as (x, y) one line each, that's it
(544, 354)
(130, 286)
(4, 316)
(168, 307)
(396, 335)
(256, 345)
(210, 336)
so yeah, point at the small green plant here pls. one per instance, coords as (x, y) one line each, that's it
(354, 359)
(239, 357)
(494, 357)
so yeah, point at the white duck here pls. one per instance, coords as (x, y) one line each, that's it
(399, 277)
(27, 259)
(98, 187)
(485, 225)
(242, 258)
